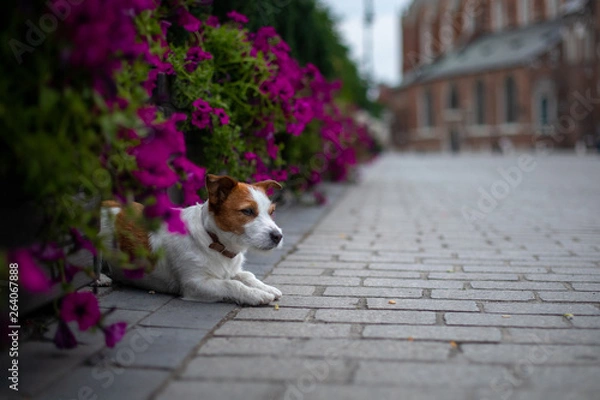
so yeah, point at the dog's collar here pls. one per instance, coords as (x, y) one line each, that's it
(216, 245)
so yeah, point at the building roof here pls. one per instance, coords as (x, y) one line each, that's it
(494, 51)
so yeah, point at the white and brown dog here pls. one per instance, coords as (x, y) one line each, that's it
(207, 263)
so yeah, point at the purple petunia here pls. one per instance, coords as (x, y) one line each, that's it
(31, 276)
(114, 333)
(194, 56)
(188, 21)
(237, 17)
(223, 117)
(81, 307)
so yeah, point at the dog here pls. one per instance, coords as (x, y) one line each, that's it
(206, 264)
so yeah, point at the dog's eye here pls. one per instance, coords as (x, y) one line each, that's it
(247, 211)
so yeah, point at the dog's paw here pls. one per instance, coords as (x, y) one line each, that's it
(274, 291)
(257, 297)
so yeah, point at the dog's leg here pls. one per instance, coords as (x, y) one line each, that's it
(213, 290)
(248, 279)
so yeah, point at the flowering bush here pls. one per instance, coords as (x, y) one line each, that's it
(239, 103)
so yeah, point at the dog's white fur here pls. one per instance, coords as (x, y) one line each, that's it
(196, 272)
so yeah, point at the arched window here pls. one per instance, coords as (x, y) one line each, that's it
(428, 120)
(510, 100)
(453, 99)
(480, 103)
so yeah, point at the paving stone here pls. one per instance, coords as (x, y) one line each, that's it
(422, 375)
(409, 267)
(134, 299)
(232, 390)
(376, 316)
(474, 276)
(582, 297)
(424, 284)
(587, 287)
(445, 333)
(371, 273)
(272, 314)
(332, 349)
(372, 292)
(264, 368)
(312, 280)
(282, 329)
(151, 347)
(320, 265)
(553, 309)
(505, 269)
(505, 295)
(188, 314)
(423, 304)
(563, 277)
(318, 302)
(299, 271)
(358, 392)
(575, 270)
(553, 336)
(586, 322)
(536, 354)
(106, 383)
(518, 285)
(532, 321)
(291, 290)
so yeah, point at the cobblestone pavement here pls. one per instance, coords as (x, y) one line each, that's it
(437, 277)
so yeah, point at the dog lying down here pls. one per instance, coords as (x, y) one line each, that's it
(206, 264)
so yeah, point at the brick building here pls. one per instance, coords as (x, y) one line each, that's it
(481, 73)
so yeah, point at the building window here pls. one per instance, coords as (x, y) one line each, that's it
(479, 103)
(453, 99)
(552, 8)
(524, 10)
(428, 121)
(498, 17)
(544, 115)
(510, 100)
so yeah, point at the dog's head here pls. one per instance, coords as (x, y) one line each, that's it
(245, 210)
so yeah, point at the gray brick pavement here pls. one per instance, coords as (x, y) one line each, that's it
(395, 294)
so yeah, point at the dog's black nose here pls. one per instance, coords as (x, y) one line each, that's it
(276, 237)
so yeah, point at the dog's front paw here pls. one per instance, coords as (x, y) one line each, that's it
(274, 291)
(256, 297)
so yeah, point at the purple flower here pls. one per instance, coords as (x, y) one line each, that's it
(272, 148)
(194, 56)
(114, 333)
(147, 114)
(31, 276)
(64, 338)
(81, 307)
(223, 117)
(237, 17)
(193, 183)
(174, 222)
(202, 105)
(213, 21)
(47, 252)
(188, 21)
(320, 198)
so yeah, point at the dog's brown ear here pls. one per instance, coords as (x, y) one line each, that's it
(219, 187)
(268, 184)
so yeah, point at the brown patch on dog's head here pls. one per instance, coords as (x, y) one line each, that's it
(231, 202)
